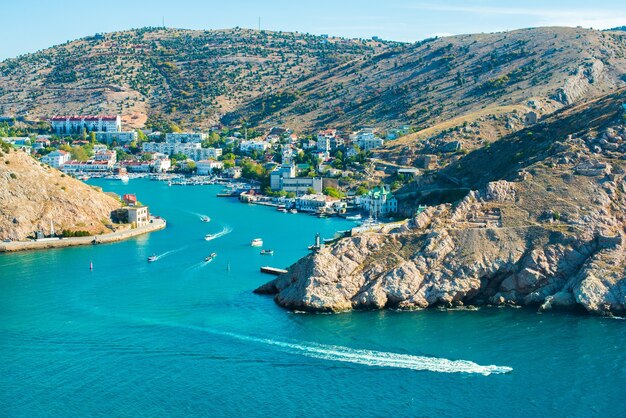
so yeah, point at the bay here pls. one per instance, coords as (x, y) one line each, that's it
(182, 337)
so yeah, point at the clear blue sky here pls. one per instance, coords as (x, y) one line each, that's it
(31, 25)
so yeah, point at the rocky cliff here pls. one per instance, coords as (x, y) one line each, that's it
(33, 196)
(551, 235)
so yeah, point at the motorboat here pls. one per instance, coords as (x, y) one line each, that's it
(205, 219)
(267, 252)
(210, 257)
(152, 258)
(257, 242)
(294, 211)
(357, 217)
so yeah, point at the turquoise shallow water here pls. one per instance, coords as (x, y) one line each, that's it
(180, 337)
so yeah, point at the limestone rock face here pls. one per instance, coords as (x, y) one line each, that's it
(33, 196)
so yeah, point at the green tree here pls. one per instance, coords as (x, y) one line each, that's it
(332, 192)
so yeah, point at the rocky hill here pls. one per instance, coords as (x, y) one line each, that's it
(201, 77)
(34, 195)
(543, 225)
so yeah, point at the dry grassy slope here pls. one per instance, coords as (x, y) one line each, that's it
(190, 76)
(32, 195)
(430, 82)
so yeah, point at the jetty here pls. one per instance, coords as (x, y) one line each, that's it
(155, 224)
(272, 270)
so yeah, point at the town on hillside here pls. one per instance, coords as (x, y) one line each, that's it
(326, 173)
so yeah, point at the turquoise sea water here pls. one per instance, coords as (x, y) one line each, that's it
(180, 337)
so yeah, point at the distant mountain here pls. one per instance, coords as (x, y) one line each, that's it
(199, 78)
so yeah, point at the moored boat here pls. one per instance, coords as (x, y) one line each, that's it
(357, 217)
(257, 242)
(267, 252)
(294, 211)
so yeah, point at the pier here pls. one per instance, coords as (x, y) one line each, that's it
(272, 270)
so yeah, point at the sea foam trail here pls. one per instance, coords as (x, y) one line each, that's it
(226, 230)
(369, 358)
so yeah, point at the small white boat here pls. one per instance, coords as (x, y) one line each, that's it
(257, 242)
(283, 210)
(354, 218)
(267, 252)
(294, 211)
(205, 219)
(210, 257)
(209, 237)
(152, 258)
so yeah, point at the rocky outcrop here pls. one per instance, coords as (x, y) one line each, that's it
(552, 239)
(34, 196)
(576, 86)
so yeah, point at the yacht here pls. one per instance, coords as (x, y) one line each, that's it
(210, 257)
(152, 258)
(294, 211)
(257, 242)
(354, 217)
(267, 252)
(205, 219)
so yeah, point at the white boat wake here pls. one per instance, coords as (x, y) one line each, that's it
(226, 230)
(370, 358)
(363, 357)
(165, 254)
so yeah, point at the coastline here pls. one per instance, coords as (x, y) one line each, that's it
(155, 224)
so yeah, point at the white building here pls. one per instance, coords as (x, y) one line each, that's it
(190, 150)
(366, 139)
(301, 185)
(206, 167)
(314, 202)
(56, 158)
(250, 146)
(161, 165)
(280, 173)
(118, 137)
(108, 156)
(378, 202)
(185, 137)
(66, 125)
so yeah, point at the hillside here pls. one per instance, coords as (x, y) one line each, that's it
(33, 195)
(543, 225)
(201, 77)
(189, 76)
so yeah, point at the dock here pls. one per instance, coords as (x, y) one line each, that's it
(272, 270)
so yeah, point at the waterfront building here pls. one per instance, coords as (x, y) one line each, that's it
(56, 158)
(189, 150)
(206, 167)
(138, 215)
(106, 155)
(90, 166)
(67, 125)
(280, 173)
(314, 202)
(232, 172)
(378, 202)
(118, 137)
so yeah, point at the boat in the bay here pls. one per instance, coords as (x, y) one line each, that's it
(152, 258)
(356, 217)
(210, 257)
(205, 219)
(267, 252)
(257, 242)
(294, 210)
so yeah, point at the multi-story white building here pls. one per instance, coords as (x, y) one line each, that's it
(366, 139)
(301, 185)
(250, 146)
(378, 202)
(105, 155)
(66, 125)
(324, 139)
(190, 150)
(185, 137)
(56, 158)
(206, 167)
(314, 202)
(119, 137)
(280, 173)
